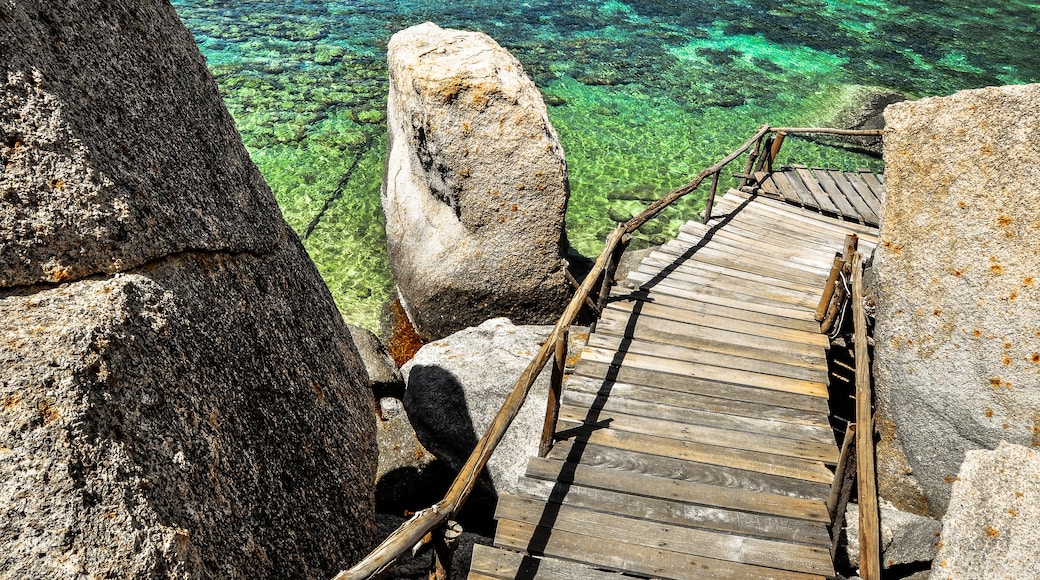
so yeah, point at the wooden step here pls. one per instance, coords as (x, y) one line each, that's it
(490, 563)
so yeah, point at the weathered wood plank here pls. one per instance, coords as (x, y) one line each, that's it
(810, 198)
(614, 405)
(694, 402)
(861, 187)
(767, 284)
(748, 325)
(616, 554)
(677, 513)
(764, 240)
(840, 205)
(791, 221)
(686, 384)
(840, 184)
(701, 452)
(692, 541)
(621, 460)
(688, 432)
(705, 303)
(710, 282)
(791, 191)
(624, 312)
(499, 564)
(766, 382)
(737, 361)
(813, 222)
(661, 330)
(876, 187)
(746, 259)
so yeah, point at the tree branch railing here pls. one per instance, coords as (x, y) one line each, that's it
(434, 525)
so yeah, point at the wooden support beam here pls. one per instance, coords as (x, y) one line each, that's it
(552, 404)
(869, 528)
(841, 492)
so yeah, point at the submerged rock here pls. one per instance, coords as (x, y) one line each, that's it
(178, 395)
(476, 185)
(858, 107)
(958, 354)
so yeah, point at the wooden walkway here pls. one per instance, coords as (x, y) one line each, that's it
(851, 195)
(694, 427)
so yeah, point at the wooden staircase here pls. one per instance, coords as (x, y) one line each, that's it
(693, 437)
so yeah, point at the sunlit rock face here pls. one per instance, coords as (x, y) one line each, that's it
(958, 321)
(476, 185)
(178, 395)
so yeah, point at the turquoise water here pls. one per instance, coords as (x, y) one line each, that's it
(643, 94)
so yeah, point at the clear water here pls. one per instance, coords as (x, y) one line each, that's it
(644, 94)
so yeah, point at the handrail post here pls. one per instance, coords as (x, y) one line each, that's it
(552, 404)
(774, 150)
(750, 165)
(828, 289)
(445, 542)
(608, 276)
(711, 196)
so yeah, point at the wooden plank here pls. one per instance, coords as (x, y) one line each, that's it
(766, 240)
(660, 330)
(676, 513)
(686, 384)
(690, 308)
(699, 302)
(616, 554)
(616, 404)
(625, 311)
(571, 416)
(780, 258)
(798, 223)
(692, 541)
(741, 257)
(812, 220)
(864, 192)
(693, 402)
(736, 361)
(766, 283)
(715, 338)
(790, 192)
(704, 281)
(499, 564)
(820, 199)
(765, 382)
(874, 183)
(766, 184)
(839, 206)
(759, 298)
(730, 495)
(700, 452)
(620, 460)
(842, 185)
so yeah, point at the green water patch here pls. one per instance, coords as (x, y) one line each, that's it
(644, 94)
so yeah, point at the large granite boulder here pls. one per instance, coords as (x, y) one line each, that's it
(908, 540)
(958, 347)
(476, 185)
(456, 386)
(990, 529)
(178, 395)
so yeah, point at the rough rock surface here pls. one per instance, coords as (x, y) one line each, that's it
(456, 386)
(405, 468)
(476, 185)
(905, 538)
(383, 375)
(178, 394)
(990, 530)
(958, 347)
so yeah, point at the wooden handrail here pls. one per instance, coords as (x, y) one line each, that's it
(417, 530)
(869, 533)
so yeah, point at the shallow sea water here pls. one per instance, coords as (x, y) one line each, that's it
(644, 94)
